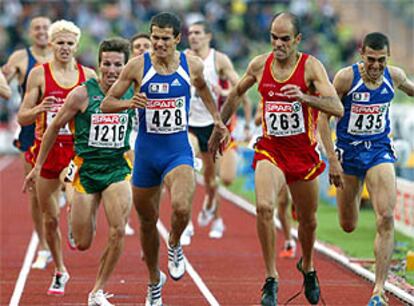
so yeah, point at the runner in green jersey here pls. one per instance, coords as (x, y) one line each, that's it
(99, 170)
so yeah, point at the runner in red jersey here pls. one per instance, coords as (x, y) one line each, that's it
(47, 88)
(288, 81)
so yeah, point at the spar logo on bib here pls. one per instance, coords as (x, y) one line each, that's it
(369, 109)
(109, 119)
(165, 103)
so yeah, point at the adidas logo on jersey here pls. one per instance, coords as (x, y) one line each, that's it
(176, 82)
(384, 91)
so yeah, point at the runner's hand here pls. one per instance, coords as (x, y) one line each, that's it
(292, 92)
(46, 105)
(30, 179)
(218, 139)
(336, 173)
(139, 100)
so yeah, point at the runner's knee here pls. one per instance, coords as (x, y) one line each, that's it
(116, 233)
(264, 210)
(348, 226)
(385, 223)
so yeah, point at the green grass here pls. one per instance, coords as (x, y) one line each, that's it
(359, 244)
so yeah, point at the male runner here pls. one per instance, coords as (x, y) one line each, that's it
(364, 151)
(47, 88)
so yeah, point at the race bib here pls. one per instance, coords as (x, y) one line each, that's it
(72, 169)
(367, 119)
(284, 118)
(51, 114)
(108, 130)
(166, 116)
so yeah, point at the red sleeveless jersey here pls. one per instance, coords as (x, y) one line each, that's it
(286, 122)
(53, 89)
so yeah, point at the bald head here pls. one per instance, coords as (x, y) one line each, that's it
(288, 21)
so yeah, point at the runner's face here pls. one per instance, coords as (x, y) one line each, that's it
(111, 66)
(197, 37)
(140, 45)
(163, 41)
(64, 46)
(38, 31)
(374, 61)
(282, 38)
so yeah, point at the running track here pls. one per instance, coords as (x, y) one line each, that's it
(222, 272)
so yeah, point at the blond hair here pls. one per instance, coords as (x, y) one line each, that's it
(64, 26)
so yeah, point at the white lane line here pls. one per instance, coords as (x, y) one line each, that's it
(190, 270)
(6, 161)
(24, 272)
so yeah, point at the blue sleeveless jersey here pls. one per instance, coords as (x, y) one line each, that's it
(366, 116)
(162, 142)
(26, 134)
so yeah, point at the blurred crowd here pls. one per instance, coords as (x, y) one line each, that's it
(240, 26)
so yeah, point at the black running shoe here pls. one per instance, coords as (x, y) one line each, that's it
(311, 284)
(269, 292)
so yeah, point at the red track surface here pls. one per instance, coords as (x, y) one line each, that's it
(231, 268)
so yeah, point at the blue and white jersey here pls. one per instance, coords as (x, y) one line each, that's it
(366, 116)
(163, 123)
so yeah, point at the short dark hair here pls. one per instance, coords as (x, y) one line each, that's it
(137, 36)
(167, 20)
(115, 44)
(293, 19)
(376, 41)
(204, 24)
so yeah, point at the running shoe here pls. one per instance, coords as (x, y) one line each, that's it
(217, 229)
(187, 234)
(289, 250)
(59, 281)
(206, 215)
(176, 264)
(129, 231)
(154, 297)
(378, 300)
(310, 283)
(42, 259)
(99, 298)
(269, 292)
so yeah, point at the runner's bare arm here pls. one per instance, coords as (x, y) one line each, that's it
(90, 73)
(131, 74)
(227, 70)
(76, 101)
(251, 76)
(197, 80)
(401, 80)
(327, 101)
(29, 109)
(5, 91)
(12, 68)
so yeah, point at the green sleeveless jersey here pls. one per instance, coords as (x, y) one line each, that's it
(102, 135)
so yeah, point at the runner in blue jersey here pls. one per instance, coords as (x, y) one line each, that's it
(163, 154)
(364, 149)
(18, 66)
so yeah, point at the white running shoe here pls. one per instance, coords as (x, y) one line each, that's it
(129, 231)
(59, 281)
(176, 264)
(99, 298)
(187, 234)
(217, 229)
(42, 259)
(154, 297)
(62, 199)
(206, 215)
